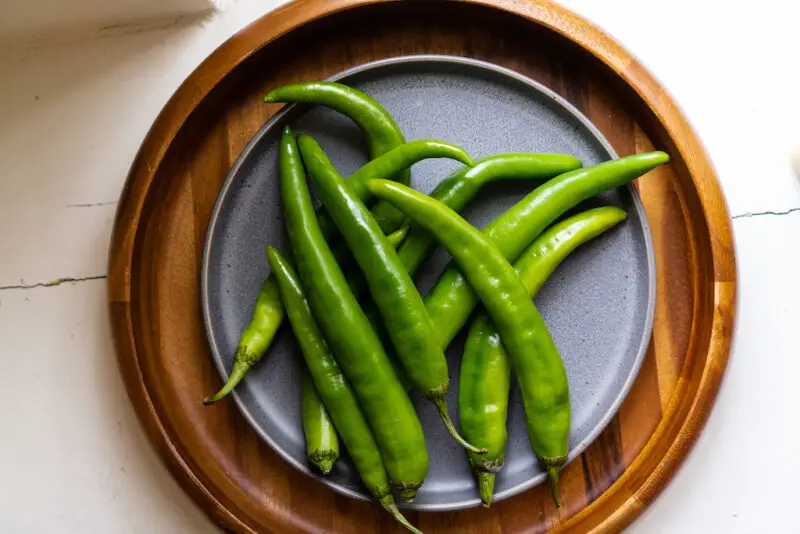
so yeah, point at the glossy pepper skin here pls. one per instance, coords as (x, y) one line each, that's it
(267, 314)
(451, 300)
(483, 388)
(390, 286)
(334, 390)
(382, 134)
(463, 185)
(380, 129)
(256, 338)
(322, 443)
(458, 190)
(531, 350)
(485, 376)
(349, 335)
(389, 164)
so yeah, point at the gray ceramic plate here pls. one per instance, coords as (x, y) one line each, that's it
(598, 304)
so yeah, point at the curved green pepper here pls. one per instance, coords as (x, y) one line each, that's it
(452, 300)
(380, 129)
(458, 190)
(485, 376)
(389, 164)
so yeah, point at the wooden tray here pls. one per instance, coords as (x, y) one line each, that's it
(163, 213)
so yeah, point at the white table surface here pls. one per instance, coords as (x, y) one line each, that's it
(72, 455)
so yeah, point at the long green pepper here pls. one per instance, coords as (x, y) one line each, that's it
(334, 389)
(389, 164)
(451, 300)
(533, 354)
(380, 129)
(485, 376)
(458, 190)
(391, 287)
(352, 340)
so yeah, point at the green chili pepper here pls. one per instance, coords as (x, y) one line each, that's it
(452, 300)
(322, 443)
(531, 350)
(397, 237)
(333, 388)
(391, 287)
(389, 164)
(485, 377)
(352, 340)
(484, 383)
(268, 314)
(458, 189)
(256, 338)
(379, 128)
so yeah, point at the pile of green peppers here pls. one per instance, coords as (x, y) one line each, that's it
(367, 335)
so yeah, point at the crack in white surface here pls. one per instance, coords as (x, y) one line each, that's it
(92, 205)
(53, 283)
(750, 214)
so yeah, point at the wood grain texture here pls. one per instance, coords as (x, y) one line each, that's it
(154, 261)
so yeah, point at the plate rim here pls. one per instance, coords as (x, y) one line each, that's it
(428, 59)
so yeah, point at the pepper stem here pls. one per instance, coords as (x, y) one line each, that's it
(486, 487)
(552, 476)
(448, 423)
(387, 501)
(237, 373)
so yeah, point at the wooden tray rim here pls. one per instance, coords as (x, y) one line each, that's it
(621, 503)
